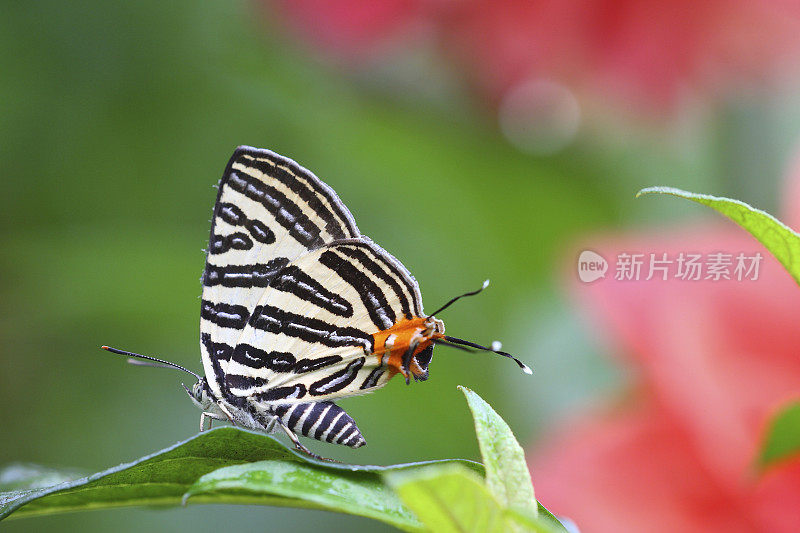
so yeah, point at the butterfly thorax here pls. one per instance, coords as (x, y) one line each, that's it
(220, 409)
(407, 346)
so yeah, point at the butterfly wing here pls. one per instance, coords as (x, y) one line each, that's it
(269, 211)
(310, 337)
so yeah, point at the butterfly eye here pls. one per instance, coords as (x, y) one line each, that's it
(197, 390)
(424, 357)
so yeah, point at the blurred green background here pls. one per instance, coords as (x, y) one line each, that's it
(117, 119)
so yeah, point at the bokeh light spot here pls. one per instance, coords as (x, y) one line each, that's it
(539, 116)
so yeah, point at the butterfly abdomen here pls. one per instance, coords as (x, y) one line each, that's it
(323, 421)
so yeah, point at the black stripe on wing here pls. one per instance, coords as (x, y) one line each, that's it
(324, 421)
(285, 212)
(289, 392)
(217, 352)
(219, 244)
(317, 196)
(358, 255)
(236, 217)
(294, 281)
(225, 315)
(373, 298)
(279, 362)
(257, 358)
(302, 182)
(310, 365)
(396, 267)
(275, 320)
(245, 383)
(372, 379)
(258, 275)
(337, 380)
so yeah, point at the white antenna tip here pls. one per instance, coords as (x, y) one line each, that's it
(527, 370)
(485, 284)
(497, 346)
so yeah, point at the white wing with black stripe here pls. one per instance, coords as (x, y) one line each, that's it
(298, 308)
(321, 313)
(269, 211)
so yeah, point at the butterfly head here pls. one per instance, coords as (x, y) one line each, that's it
(433, 327)
(407, 347)
(200, 395)
(423, 352)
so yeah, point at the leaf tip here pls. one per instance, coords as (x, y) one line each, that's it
(659, 189)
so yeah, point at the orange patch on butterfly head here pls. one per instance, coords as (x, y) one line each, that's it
(393, 345)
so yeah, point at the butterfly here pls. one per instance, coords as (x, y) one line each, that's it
(299, 308)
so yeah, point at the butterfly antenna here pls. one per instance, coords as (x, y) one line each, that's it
(457, 298)
(495, 347)
(462, 348)
(148, 361)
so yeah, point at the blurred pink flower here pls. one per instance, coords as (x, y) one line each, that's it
(631, 51)
(713, 361)
(350, 28)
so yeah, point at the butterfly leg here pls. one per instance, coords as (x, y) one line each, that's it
(226, 413)
(406, 362)
(211, 417)
(215, 416)
(299, 446)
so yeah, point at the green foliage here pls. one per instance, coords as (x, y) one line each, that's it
(229, 465)
(507, 475)
(777, 237)
(451, 498)
(783, 436)
(346, 488)
(225, 465)
(141, 108)
(26, 477)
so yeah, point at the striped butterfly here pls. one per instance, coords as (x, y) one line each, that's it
(299, 308)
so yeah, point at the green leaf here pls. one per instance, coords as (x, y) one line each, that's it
(453, 499)
(777, 237)
(26, 477)
(507, 475)
(783, 436)
(229, 465)
(546, 523)
(548, 518)
(358, 491)
(203, 469)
